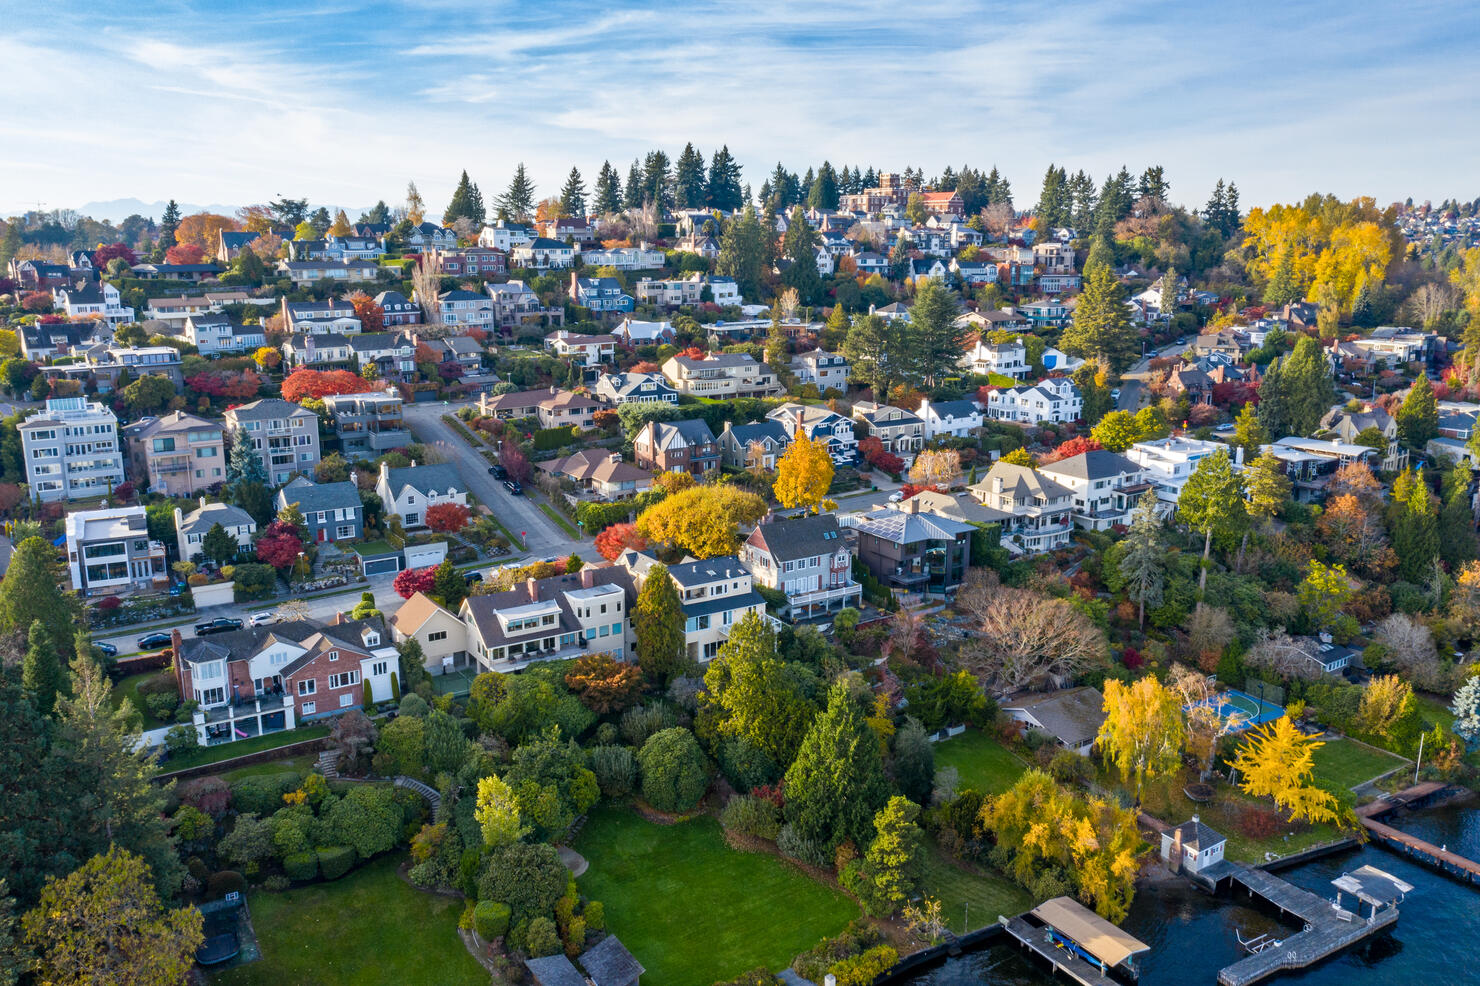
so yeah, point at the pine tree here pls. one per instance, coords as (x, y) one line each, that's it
(31, 592)
(218, 545)
(836, 783)
(913, 765)
(1212, 503)
(742, 254)
(867, 349)
(1457, 541)
(449, 585)
(932, 342)
(895, 857)
(517, 202)
(634, 193)
(1170, 291)
(608, 191)
(1143, 567)
(1054, 201)
(244, 465)
(657, 181)
(1282, 289)
(1102, 327)
(822, 193)
(800, 247)
(1363, 313)
(1274, 400)
(41, 669)
(689, 190)
(1416, 534)
(168, 223)
(1418, 415)
(724, 182)
(1154, 184)
(659, 625)
(1310, 386)
(573, 195)
(1248, 431)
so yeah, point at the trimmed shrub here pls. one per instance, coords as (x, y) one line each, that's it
(335, 861)
(301, 866)
(674, 772)
(542, 938)
(161, 706)
(263, 794)
(491, 919)
(751, 816)
(225, 882)
(861, 970)
(595, 915)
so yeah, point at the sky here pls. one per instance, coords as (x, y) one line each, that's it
(343, 103)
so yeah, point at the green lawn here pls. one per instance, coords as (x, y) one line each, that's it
(693, 910)
(129, 688)
(984, 764)
(256, 744)
(371, 549)
(970, 894)
(299, 764)
(361, 930)
(1346, 763)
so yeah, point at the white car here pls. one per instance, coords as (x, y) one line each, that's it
(263, 618)
(896, 496)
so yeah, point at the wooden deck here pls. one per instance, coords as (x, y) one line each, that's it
(1062, 959)
(1453, 864)
(1327, 930)
(1406, 798)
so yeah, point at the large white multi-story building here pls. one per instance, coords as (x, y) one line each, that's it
(1048, 402)
(71, 450)
(1038, 508)
(1106, 487)
(109, 552)
(1169, 462)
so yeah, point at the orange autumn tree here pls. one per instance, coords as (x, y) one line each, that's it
(446, 517)
(617, 538)
(204, 230)
(304, 382)
(371, 315)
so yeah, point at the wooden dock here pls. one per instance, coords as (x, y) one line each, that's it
(1436, 857)
(1328, 929)
(1035, 939)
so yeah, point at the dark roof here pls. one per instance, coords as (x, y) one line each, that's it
(1097, 464)
(702, 572)
(1072, 715)
(954, 409)
(483, 610)
(269, 407)
(1196, 835)
(240, 645)
(311, 496)
(554, 970)
(442, 476)
(799, 537)
(608, 963)
(761, 430)
(694, 432)
(723, 604)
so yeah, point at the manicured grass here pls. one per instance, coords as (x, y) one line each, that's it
(256, 744)
(366, 928)
(984, 764)
(693, 910)
(129, 688)
(372, 548)
(970, 894)
(299, 764)
(555, 515)
(1346, 763)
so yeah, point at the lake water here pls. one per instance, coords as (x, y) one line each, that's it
(1435, 943)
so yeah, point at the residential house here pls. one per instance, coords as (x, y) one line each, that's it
(869, 263)
(724, 291)
(676, 446)
(328, 316)
(518, 404)
(230, 243)
(478, 262)
(1169, 462)
(177, 272)
(41, 342)
(505, 235)
(1192, 847)
(901, 432)
(1049, 313)
(214, 334)
(368, 425)
(892, 312)
(1053, 257)
(103, 366)
(320, 350)
(575, 228)
(600, 472)
(177, 454)
(317, 271)
(110, 553)
(71, 450)
(586, 350)
(943, 203)
(671, 292)
(408, 492)
(974, 273)
(397, 309)
(561, 617)
(990, 320)
(392, 353)
(1051, 401)
(820, 424)
(958, 419)
(331, 511)
(1040, 507)
(515, 304)
(1226, 342)
(824, 370)
(1057, 361)
(643, 257)
(636, 332)
(1008, 359)
(806, 558)
(543, 254)
(441, 633)
(1349, 425)
(721, 375)
(915, 552)
(429, 236)
(929, 268)
(759, 444)
(464, 309)
(191, 529)
(38, 275)
(1393, 346)
(285, 436)
(1456, 420)
(705, 246)
(93, 299)
(565, 409)
(1072, 716)
(600, 294)
(1106, 487)
(174, 311)
(1310, 462)
(634, 388)
(608, 963)
(715, 595)
(1189, 380)
(261, 680)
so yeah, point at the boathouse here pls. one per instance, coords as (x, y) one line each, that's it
(1077, 941)
(1192, 847)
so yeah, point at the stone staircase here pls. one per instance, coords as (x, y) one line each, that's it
(430, 794)
(328, 764)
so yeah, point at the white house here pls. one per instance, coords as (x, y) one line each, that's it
(505, 235)
(1052, 401)
(1170, 462)
(109, 552)
(823, 369)
(93, 299)
(959, 419)
(408, 492)
(1106, 487)
(1192, 846)
(1010, 359)
(191, 529)
(543, 254)
(1038, 507)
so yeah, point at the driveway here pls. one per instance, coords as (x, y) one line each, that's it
(520, 514)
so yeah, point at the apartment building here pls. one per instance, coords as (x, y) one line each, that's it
(284, 435)
(368, 424)
(71, 450)
(178, 454)
(109, 552)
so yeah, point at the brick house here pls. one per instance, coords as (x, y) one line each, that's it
(676, 446)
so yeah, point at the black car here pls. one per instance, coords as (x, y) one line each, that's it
(498, 472)
(512, 485)
(151, 641)
(221, 624)
(107, 650)
(471, 577)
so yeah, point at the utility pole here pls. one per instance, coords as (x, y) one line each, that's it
(1420, 758)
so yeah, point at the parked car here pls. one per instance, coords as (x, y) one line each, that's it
(155, 640)
(107, 650)
(263, 618)
(896, 496)
(498, 472)
(221, 624)
(471, 577)
(512, 485)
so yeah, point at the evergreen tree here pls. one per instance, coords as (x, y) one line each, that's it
(608, 191)
(168, 223)
(1170, 291)
(742, 254)
(823, 191)
(31, 592)
(573, 195)
(1311, 389)
(659, 625)
(1094, 392)
(449, 585)
(657, 181)
(1143, 566)
(800, 247)
(1282, 288)
(1101, 252)
(1274, 401)
(837, 781)
(320, 220)
(218, 545)
(1154, 184)
(1363, 313)
(41, 669)
(10, 245)
(244, 465)
(1418, 415)
(892, 865)
(1416, 533)
(932, 342)
(689, 191)
(378, 214)
(867, 349)
(1222, 213)
(997, 188)
(1212, 503)
(914, 761)
(1081, 193)
(517, 202)
(1457, 541)
(724, 182)
(1248, 432)
(1054, 200)
(1102, 327)
(635, 192)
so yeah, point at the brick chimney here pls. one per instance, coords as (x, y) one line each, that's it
(532, 586)
(588, 577)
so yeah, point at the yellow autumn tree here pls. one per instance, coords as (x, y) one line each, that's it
(1104, 845)
(341, 226)
(936, 468)
(1325, 246)
(1143, 732)
(703, 521)
(1386, 701)
(804, 474)
(1277, 761)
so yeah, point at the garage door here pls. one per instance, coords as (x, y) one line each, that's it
(382, 566)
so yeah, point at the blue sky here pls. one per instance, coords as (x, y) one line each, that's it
(344, 102)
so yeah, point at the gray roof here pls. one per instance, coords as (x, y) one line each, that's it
(369, 342)
(608, 963)
(311, 496)
(954, 409)
(270, 407)
(760, 431)
(906, 528)
(483, 610)
(1072, 715)
(622, 384)
(1097, 464)
(175, 421)
(1196, 835)
(1022, 482)
(242, 644)
(710, 570)
(694, 432)
(225, 514)
(799, 537)
(554, 970)
(423, 479)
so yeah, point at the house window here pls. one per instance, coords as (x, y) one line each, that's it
(309, 708)
(346, 700)
(413, 519)
(334, 655)
(616, 629)
(344, 531)
(308, 687)
(212, 696)
(605, 630)
(438, 635)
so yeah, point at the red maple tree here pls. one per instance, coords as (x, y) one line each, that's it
(184, 253)
(446, 517)
(617, 538)
(1073, 447)
(413, 580)
(280, 550)
(239, 386)
(37, 301)
(873, 452)
(371, 315)
(304, 382)
(514, 460)
(114, 251)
